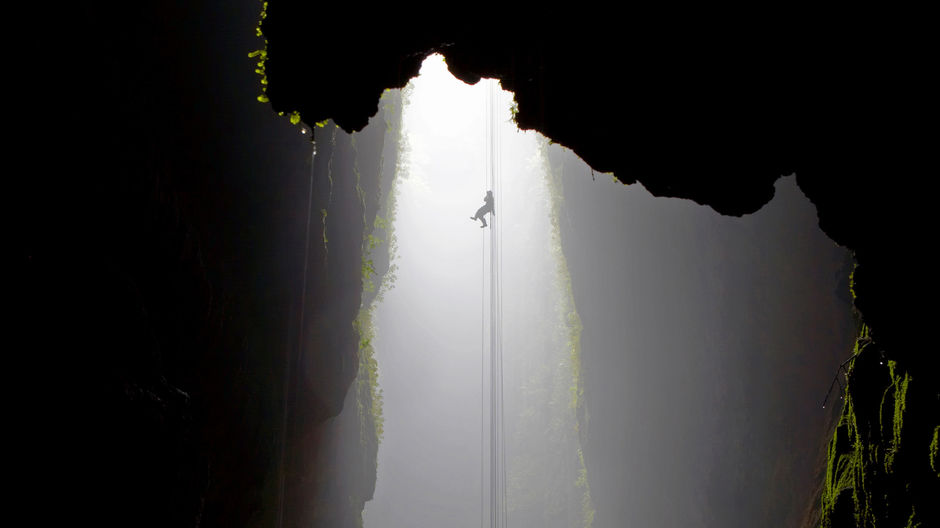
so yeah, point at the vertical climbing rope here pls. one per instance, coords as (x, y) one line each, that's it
(483, 336)
(498, 183)
(498, 492)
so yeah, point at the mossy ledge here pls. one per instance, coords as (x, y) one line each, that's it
(877, 472)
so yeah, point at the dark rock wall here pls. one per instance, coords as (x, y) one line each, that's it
(329, 469)
(159, 252)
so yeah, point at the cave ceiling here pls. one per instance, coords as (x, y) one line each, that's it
(709, 111)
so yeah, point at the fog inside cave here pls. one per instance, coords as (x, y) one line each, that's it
(664, 365)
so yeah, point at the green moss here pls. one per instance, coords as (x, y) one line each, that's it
(368, 270)
(377, 237)
(323, 214)
(839, 492)
(935, 451)
(329, 176)
(896, 393)
(262, 56)
(875, 473)
(573, 331)
(369, 393)
(514, 112)
(852, 281)
(843, 494)
(587, 506)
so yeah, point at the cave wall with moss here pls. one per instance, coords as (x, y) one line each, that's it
(690, 105)
(158, 241)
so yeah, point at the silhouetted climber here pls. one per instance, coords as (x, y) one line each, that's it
(487, 208)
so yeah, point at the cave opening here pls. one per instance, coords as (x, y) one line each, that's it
(178, 264)
(655, 349)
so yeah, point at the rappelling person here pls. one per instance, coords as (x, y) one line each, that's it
(487, 208)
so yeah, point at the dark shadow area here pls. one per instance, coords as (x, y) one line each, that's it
(160, 262)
